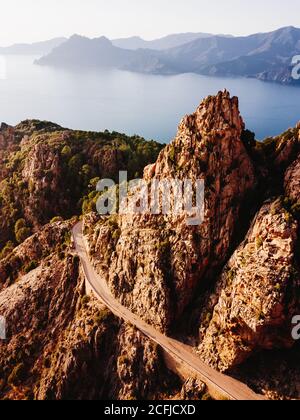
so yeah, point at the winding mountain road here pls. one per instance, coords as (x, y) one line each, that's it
(226, 385)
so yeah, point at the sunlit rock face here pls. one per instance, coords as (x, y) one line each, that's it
(154, 263)
(256, 296)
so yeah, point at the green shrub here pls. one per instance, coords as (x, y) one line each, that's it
(206, 397)
(67, 238)
(103, 316)
(81, 155)
(9, 247)
(86, 170)
(287, 203)
(295, 209)
(116, 235)
(278, 287)
(56, 219)
(66, 151)
(31, 266)
(85, 300)
(231, 276)
(75, 164)
(22, 234)
(163, 246)
(20, 224)
(269, 145)
(93, 183)
(288, 217)
(259, 242)
(172, 153)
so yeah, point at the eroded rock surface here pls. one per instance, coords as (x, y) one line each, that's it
(62, 344)
(257, 293)
(153, 264)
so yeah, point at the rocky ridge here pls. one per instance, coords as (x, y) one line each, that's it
(157, 265)
(153, 264)
(250, 309)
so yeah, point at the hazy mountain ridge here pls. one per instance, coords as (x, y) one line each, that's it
(36, 48)
(169, 41)
(270, 60)
(130, 43)
(265, 56)
(97, 52)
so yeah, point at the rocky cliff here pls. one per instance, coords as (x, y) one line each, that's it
(257, 294)
(153, 264)
(242, 261)
(62, 344)
(47, 171)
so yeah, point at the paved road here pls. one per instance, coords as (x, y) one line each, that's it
(226, 385)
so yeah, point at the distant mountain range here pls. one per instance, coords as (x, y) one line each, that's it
(37, 48)
(170, 41)
(131, 43)
(80, 51)
(264, 56)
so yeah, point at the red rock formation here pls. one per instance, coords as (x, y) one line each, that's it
(256, 296)
(154, 263)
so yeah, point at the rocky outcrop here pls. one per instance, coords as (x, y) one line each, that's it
(98, 357)
(48, 171)
(154, 263)
(51, 238)
(193, 390)
(8, 144)
(44, 175)
(62, 344)
(287, 148)
(256, 296)
(37, 309)
(292, 182)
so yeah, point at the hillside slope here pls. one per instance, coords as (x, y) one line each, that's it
(47, 171)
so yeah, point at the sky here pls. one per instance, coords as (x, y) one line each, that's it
(37, 20)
